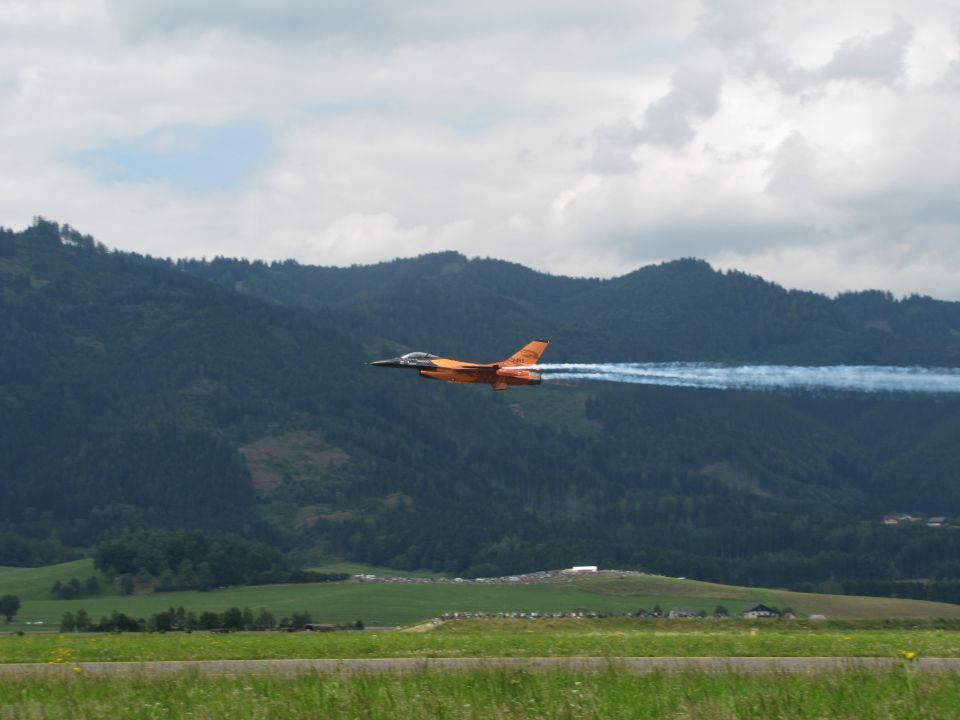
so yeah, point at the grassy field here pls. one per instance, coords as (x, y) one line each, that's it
(704, 595)
(899, 696)
(35, 583)
(362, 569)
(483, 694)
(388, 604)
(607, 637)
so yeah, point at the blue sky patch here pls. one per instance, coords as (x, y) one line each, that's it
(192, 157)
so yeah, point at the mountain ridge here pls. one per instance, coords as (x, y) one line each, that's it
(131, 385)
(871, 310)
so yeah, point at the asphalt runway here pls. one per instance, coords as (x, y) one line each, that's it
(406, 666)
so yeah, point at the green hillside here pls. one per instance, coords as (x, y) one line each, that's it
(232, 396)
(34, 583)
(401, 604)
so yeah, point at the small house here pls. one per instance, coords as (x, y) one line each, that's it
(760, 611)
(938, 521)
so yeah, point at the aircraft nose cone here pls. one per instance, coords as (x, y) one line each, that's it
(392, 362)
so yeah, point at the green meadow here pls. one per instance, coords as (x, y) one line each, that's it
(35, 583)
(391, 604)
(489, 694)
(605, 637)
(860, 627)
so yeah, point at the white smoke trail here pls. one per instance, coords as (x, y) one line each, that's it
(848, 378)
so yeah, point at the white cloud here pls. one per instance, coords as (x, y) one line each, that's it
(872, 57)
(693, 96)
(811, 142)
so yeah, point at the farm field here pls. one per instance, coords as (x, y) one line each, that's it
(30, 583)
(390, 604)
(352, 568)
(604, 637)
(485, 694)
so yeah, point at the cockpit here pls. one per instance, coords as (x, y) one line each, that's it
(418, 356)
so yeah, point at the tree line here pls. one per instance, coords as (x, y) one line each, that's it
(170, 560)
(178, 619)
(74, 588)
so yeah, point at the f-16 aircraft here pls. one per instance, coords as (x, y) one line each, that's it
(498, 375)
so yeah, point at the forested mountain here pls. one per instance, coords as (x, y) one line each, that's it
(233, 396)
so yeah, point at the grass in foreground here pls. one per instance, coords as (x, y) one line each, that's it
(490, 695)
(598, 638)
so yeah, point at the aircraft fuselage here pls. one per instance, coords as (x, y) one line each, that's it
(499, 376)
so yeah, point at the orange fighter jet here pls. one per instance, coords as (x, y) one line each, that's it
(498, 375)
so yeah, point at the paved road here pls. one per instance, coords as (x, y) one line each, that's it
(401, 666)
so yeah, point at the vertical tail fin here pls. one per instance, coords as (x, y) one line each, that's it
(529, 354)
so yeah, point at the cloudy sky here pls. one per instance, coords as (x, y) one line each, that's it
(814, 143)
